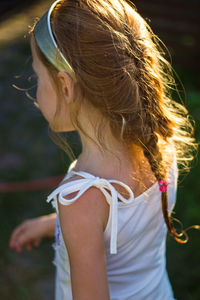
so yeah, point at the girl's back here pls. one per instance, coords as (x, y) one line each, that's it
(138, 270)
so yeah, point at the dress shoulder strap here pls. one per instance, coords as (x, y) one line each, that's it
(82, 184)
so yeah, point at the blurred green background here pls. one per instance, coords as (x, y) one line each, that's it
(27, 152)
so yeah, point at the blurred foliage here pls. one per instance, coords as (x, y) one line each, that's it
(182, 259)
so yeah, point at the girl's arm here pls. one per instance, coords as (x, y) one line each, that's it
(82, 225)
(30, 232)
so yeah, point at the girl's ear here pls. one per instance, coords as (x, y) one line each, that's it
(67, 86)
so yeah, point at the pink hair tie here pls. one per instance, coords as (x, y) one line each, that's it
(163, 185)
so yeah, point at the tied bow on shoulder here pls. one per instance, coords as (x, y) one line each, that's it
(105, 185)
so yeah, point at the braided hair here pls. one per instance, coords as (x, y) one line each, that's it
(155, 123)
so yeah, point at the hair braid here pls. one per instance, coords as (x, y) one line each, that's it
(154, 156)
(154, 121)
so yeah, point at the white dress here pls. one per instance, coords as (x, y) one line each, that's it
(135, 239)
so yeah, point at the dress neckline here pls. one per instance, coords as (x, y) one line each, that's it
(145, 194)
(88, 175)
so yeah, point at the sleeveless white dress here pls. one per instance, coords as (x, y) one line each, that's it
(135, 239)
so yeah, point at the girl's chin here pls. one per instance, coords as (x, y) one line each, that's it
(62, 129)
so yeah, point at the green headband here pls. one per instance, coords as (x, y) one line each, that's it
(47, 44)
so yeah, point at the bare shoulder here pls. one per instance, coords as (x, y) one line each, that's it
(91, 205)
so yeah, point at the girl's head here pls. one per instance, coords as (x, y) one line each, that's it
(114, 76)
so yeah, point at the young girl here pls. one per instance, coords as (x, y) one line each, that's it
(100, 72)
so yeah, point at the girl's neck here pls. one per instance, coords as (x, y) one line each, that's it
(112, 159)
(109, 162)
(118, 165)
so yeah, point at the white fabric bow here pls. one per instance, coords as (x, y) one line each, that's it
(105, 185)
